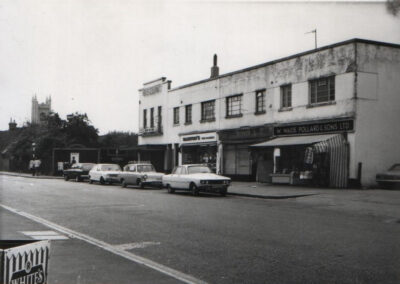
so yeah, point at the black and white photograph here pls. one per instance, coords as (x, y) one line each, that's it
(199, 142)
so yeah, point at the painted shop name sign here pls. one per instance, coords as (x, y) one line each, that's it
(152, 90)
(323, 127)
(199, 138)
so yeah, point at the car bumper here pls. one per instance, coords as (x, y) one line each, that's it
(155, 183)
(213, 188)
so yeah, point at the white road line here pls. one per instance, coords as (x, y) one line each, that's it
(108, 247)
(44, 235)
(136, 245)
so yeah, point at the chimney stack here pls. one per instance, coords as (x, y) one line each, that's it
(12, 125)
(214, 69)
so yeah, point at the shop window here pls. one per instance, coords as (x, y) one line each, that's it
(188, 114)
(322, 90)
(208, 111)
(176, 115)
(152, 117)
(286, 96)
(145, 118)
(260, 102)
(234, 106)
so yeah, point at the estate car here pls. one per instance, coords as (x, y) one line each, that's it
(141, 174)
(105, 173)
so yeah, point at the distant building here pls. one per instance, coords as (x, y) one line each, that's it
(40, 110)
(328, 115)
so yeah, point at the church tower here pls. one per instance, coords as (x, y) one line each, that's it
(40, 110)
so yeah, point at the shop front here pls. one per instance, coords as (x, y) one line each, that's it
(199, 148)
(237, 159)
(314, 154)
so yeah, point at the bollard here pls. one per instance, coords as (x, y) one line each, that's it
(24, 261)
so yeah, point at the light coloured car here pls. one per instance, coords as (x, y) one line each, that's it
(105, 173)
(140, 174)
(196, 178)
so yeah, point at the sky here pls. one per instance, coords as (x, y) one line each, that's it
(92, 56)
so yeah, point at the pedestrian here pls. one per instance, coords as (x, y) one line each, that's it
(36, 165)
(32, 167)
(73, 161)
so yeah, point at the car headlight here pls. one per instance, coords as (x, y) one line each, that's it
(203, 181)
(144, 177)
(227, 182)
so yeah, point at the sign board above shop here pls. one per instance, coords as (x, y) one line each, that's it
(317, 127)
(199, 138)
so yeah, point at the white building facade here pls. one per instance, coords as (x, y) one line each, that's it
(271, 121)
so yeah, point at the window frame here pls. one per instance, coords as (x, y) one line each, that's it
(204, 116)
(229, 105)
(286, 91)
(152, 117)
(145, 118)
(176, 115)
(262, 109)
(330, 89)
(188, 114)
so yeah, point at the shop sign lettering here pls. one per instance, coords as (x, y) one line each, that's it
(152, 90)
(29, 275)
(206, 137)
(324, 127)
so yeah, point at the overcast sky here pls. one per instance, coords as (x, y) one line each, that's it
(92, 56)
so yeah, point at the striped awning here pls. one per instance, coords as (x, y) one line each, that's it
(295, 140)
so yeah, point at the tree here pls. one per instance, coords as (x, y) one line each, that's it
(393, 6)
(79, 130)
(116, 139)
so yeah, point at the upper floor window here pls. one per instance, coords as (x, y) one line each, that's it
(176, 115)
(159, 122)
(322, 90)
(234, 106)
(145, 118)
(208, 110)
(152, 117)
(188, 114)
(260, 101)
(286, 96)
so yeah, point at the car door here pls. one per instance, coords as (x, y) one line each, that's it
(185, 178)
(174, 177)
(131, 174)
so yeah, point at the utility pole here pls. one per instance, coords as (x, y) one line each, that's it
(315, 36)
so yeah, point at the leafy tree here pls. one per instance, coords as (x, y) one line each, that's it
(393, 6)
(118, 139)
(78, 130)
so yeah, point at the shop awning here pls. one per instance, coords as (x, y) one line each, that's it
(295, 140)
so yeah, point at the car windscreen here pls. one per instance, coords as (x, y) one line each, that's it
(110, 168)
(87, 167)
(198, 169)
(145, 168)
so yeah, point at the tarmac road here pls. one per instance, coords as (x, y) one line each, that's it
(180, 238)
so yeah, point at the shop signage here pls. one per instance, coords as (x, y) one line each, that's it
(245, 133)
(31, 274)
(199, 138)
(319, 127)
(152, 90)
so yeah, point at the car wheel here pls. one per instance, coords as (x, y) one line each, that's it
(102, 180)
(123, 183)
(194, 189)
(77, 179)
(66, 178)
(170, 189)
(140, 183)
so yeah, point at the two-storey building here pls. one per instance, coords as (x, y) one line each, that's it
(330, 115)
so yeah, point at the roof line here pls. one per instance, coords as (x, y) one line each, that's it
(354, 40)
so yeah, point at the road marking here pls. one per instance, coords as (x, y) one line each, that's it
(136, 245)
(108, 247)
(44, 235)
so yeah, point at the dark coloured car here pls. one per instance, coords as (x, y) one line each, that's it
(390, 178)
(78, 171)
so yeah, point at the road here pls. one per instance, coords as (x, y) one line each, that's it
(117, 235)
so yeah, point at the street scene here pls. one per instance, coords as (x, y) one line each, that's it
(322, 236)
(199, 141)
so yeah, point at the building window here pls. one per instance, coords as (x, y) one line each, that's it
(260, 101)
(176, 115)
(188, 114)
(234, 106)
(159, 121)
(286, 96)
(152, 117)
(322, 90)
(208, 111)
(145, 118)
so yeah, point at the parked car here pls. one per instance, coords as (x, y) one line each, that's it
(78, 171)
(390, 178)
(105, 173)
(196, 178)
(141, 174)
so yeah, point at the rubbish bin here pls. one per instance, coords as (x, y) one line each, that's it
(24, 261)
